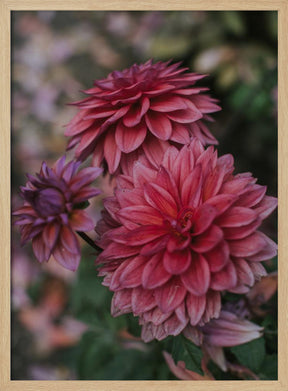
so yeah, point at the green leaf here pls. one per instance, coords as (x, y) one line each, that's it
(269, 368)
(185, 350)
(82, 205)
(250, 354)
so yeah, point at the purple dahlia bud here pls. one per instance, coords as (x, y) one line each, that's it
(52, 211)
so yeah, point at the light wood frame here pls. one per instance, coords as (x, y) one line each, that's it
(137, 5)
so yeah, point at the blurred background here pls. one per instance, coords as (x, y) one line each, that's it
(61, 322)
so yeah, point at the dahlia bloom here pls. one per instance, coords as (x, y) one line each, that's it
(53, 202)
(175, 237)
(140, 108)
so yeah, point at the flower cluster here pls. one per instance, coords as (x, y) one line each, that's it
(181, 228)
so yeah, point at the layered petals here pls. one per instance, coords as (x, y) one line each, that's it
(133, 108)
(179, 232)
(52, 211)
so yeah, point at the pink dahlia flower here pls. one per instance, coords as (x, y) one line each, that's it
(52, 211)
(142, 107)
(175, 237)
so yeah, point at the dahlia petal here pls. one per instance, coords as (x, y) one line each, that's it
(150, 331)
(136, 112)
(142, 174)
(182, 166)
(172, 326)
(154, 273)
(178, 242)
(127, 197)
(142, 300)
(167, 103)
(204, 217)
(238, 185)
(98, 154)
(80, 221)
(155, 316)
(197, 278)
(193, 334)
(50, 235)
(129, 139)
(216, 353)
(205, 103)
(267, 252)
(252, 197)
(241, 232)
(160, 89)
(226, 278)
(218, 257)
(169, 158)
(85, 194)
(180, 134)
(165, 180)
(237, 216)
(180, 312)
(213, 306)
(228, 330)
(222, 202)
(87, 139)
(192, 188)
(170, 295)
(40, 249)
(195, 307)
(99, 113)
(112, 206)
(154, 246)
(176, 262)
(185, 116)
(121, 302)
(213, 182)
(160, 199)
(207, 240)
(144, 234)
(258, 270)
(131, 277)
(69, 240)
(159, 125)
(154, 150)
(266, 207)
(85, 177)
(251, 245)
(141, 214)
(245, 276)
(115, 283)
(119, 114)
(78, 124)
(111, 152)
(116, 251)
(66, 259)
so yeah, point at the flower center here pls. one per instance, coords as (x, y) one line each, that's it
(49, 202)
(185, 220)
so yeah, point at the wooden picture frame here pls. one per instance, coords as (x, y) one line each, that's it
(281, 6)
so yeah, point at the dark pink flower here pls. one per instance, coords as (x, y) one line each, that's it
(52, 211)
(175, 237)
(140, 108)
